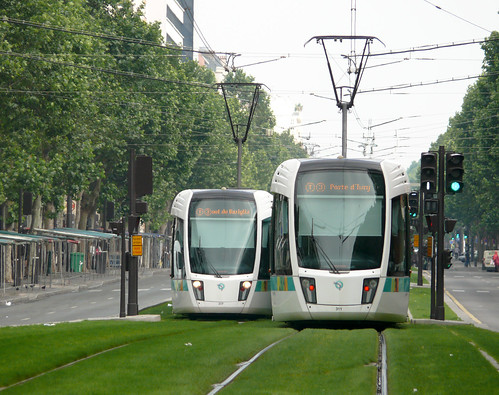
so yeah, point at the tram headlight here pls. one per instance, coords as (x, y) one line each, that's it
(244, 290)
(198, 288)
(308, 288)
(369, 288)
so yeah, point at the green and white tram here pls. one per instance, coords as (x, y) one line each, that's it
(220, 257)
(339, 240)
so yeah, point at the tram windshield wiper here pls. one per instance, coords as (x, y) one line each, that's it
(206, 262)
(322, 252)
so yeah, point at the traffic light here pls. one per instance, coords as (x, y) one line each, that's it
(431, 221)
(143, 175)
(454, 173)
(447, 259)
(413, 204)
(430, 204)
(429, 164)
(449, 224)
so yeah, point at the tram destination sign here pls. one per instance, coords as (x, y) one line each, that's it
(342, 183)
(215, 208)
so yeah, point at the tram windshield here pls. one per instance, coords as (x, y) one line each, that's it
(222, 236)
(339, 219)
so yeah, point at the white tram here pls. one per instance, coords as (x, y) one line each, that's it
(220, 257)
(339, 240)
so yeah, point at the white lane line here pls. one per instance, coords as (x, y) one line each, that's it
(25, 319)
(458, 290)
(483, 292)
(74, 307)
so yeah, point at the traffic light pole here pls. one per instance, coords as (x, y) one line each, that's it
(420, 232)
(133, 270)
(123, 269)
(439, 309)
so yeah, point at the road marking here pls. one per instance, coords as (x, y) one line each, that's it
(111, 298)
(169, 289)
(144, 289)
(458, 276)
(25, 319)
(95, 290)
(462, 307)
(458, 290)
(74, 307)
(483, 292)
(93, 302)
(51, 312)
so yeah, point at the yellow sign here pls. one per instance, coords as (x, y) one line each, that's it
(430, 247)
(136, 245)
(416, 241)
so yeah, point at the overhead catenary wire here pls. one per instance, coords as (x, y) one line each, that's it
(457, 16)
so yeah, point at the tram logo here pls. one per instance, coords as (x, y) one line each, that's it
(202, 211)
(311, 187)
(338, 285)
(221, 286)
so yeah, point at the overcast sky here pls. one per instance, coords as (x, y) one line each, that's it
(263, 30)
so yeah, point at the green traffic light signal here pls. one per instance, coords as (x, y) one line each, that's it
(455, 186)
(454, 172)
(447, 263)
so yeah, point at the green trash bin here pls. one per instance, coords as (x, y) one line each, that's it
(76, 260)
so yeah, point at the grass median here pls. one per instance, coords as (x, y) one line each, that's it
(188, 356)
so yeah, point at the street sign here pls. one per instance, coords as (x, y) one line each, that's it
(136, 245)
(429, 250)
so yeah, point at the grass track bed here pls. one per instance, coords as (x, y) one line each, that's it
(184, 356)
(314, 361)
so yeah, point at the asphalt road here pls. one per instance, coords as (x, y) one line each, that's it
(94, 302)
(477, 291)
(474, 290)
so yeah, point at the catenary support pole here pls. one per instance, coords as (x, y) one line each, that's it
(344, 111)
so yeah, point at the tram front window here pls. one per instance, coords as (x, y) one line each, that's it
(222, 236)
(339, 219)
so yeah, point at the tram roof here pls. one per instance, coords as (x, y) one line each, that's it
(342, 163)
(213, 193)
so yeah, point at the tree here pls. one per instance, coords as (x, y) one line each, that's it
(82, 83)
(474, 131)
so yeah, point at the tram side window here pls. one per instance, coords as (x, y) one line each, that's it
(178, 249)
(263, 272)
(281, 262)
(398, 261)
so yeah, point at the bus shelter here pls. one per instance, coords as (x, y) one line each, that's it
(23, 258)
(82, 251)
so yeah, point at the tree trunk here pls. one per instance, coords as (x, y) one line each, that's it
(8, 264)
(36, 213)
(48, 222)
(88, 204)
